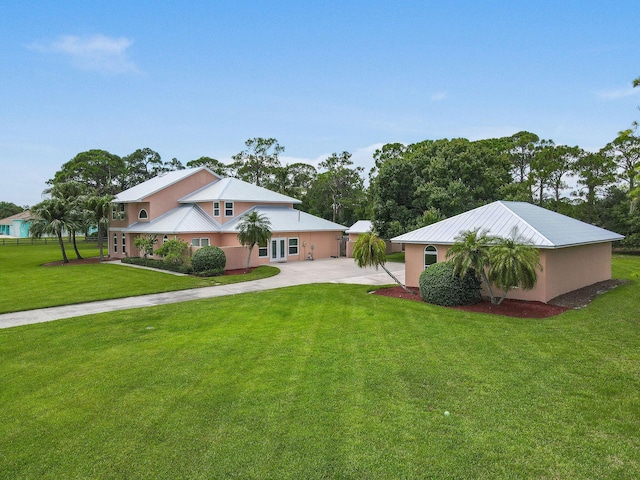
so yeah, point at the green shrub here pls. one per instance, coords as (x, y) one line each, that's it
(155, 263)
(174, 252)
(209, 259)
(440, 286)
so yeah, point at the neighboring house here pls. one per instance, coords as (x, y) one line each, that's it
(202, 208)
(573, 254)
(365, 226)
(16, 225)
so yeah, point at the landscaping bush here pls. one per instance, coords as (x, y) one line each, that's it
(440, 286)
(174, 252)
(159, 264)
(209, 259)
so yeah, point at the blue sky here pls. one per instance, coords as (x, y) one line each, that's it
(197, 78)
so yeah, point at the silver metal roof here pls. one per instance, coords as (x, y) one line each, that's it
(286, 219)
(361, 226)
(141, 191)
(183, 219)
(233, 189)
(539, 226)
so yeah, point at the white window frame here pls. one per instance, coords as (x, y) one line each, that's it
(124, 243)
(216, 209)
(433, 253)
(146, 214)
(115, 242)
(263, 250)
(200, 242)
(227, 209)
(296, 247)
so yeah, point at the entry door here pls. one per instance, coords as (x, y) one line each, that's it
(278, 252)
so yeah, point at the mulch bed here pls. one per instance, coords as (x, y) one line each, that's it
(520, 308)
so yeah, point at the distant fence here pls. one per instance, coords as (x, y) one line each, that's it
(47, 241)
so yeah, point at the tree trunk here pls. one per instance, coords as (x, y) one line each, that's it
(488, 284)
(64, 252)
(249, 259)
(395, 279)
(100, 243)
(75, 246)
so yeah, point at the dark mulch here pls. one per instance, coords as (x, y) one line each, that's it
(520, 308)
(82, 261)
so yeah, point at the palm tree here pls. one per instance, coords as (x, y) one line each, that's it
(71, 193)
(100, 209)
(52, 217)
(471, 252)
(513, 263)
(253, 228)
(370, 251)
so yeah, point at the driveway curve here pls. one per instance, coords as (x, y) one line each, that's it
(331, 270)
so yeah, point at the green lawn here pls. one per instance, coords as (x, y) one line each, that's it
(325, 381)
(25, 284)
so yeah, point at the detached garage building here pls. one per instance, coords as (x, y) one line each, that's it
(573, 254)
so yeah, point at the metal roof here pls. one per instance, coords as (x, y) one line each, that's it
(233, 189)
(183, 219)
(141, 191)
(538, 226)
(286, 219)
(361, 226)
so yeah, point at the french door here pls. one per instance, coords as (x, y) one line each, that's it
(278, 250)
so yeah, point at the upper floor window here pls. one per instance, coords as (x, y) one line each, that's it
(228, 209)
(216, 209)
(143, 215)
(430, 255)
(118, 211)
(165, 238)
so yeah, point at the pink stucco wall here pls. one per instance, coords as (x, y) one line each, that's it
(563, 269)
(324, 243)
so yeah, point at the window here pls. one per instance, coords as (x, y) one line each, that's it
(165, 238)
(124, 243)
(117, 212)
(228, 209)
(143, 215)
(200, 242)
(115, 243)
(216, 209)
(263, 250)
(293, 246)
(430, 256)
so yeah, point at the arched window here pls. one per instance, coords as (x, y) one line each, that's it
(165, 238)
(143, 215)
(430, 255)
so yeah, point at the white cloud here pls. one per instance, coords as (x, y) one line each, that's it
(615, 94)
(439, 96)
(96, 52)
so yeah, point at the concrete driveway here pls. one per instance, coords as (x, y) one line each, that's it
(331, 270)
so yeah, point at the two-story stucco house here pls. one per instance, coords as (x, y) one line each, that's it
(200, 207)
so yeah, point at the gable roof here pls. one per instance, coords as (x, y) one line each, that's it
(183, 219)
(539, 226)
(26, 215)
(361, 226)
(234, 189)
(286, 219)
(141, 191)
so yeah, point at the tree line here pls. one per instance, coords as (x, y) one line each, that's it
(410, 186)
